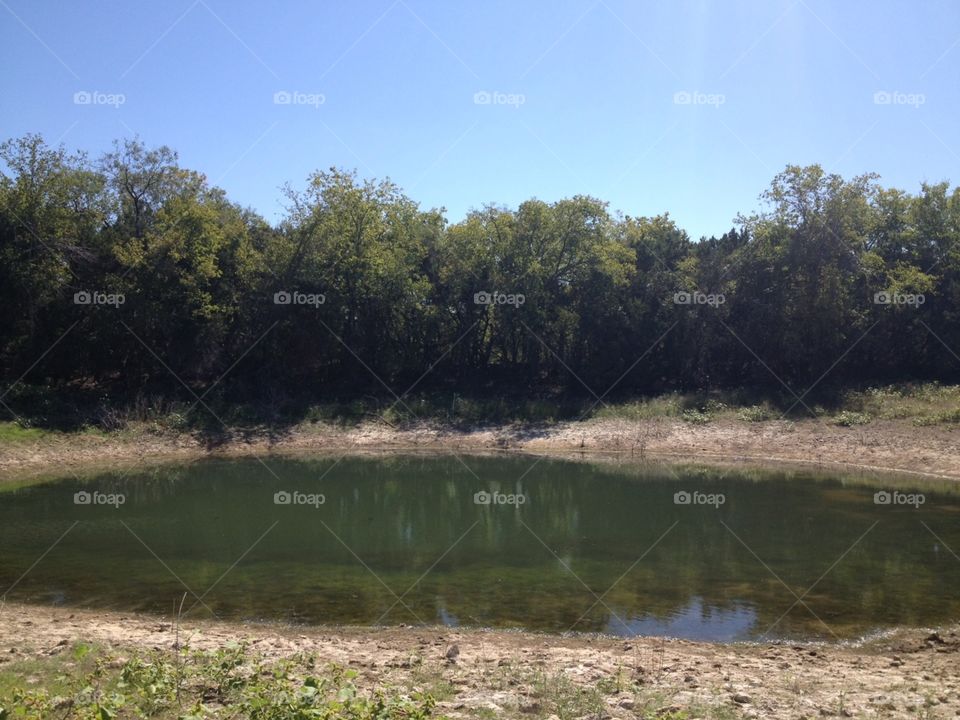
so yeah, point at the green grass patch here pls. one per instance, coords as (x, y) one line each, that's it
(946, 417)
(14, 432)
(925, 404)
(662, 406)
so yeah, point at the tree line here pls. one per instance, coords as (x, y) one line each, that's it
(128, 273)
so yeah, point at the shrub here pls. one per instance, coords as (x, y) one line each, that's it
(848, 418)
(755, 413)
(696, 417)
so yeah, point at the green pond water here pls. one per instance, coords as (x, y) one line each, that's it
(547, 545)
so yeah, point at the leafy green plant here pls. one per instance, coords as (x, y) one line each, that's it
(696, 417)
(755, 413)
(227, 683)
(848, 418)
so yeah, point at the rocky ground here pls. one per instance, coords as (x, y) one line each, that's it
(908, 674)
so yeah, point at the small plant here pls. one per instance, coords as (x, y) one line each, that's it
(848, 418)
(150, 686)
(755, 413)
(714, 407)
(672, 715)
(696, 417)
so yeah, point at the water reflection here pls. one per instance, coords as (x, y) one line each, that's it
(412, 527)
(696, 620)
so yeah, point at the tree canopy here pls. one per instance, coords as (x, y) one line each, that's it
(131, 272)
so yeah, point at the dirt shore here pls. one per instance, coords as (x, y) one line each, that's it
(910, 673)
(881, 446)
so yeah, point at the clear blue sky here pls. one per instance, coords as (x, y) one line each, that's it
(598, 81)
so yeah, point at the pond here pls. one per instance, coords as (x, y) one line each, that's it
(505, 542)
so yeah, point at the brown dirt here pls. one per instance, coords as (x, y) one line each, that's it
(913, 673)
(884, 445)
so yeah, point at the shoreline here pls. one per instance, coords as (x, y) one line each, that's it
(901, 673)
(893, 448)
(497, 671)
